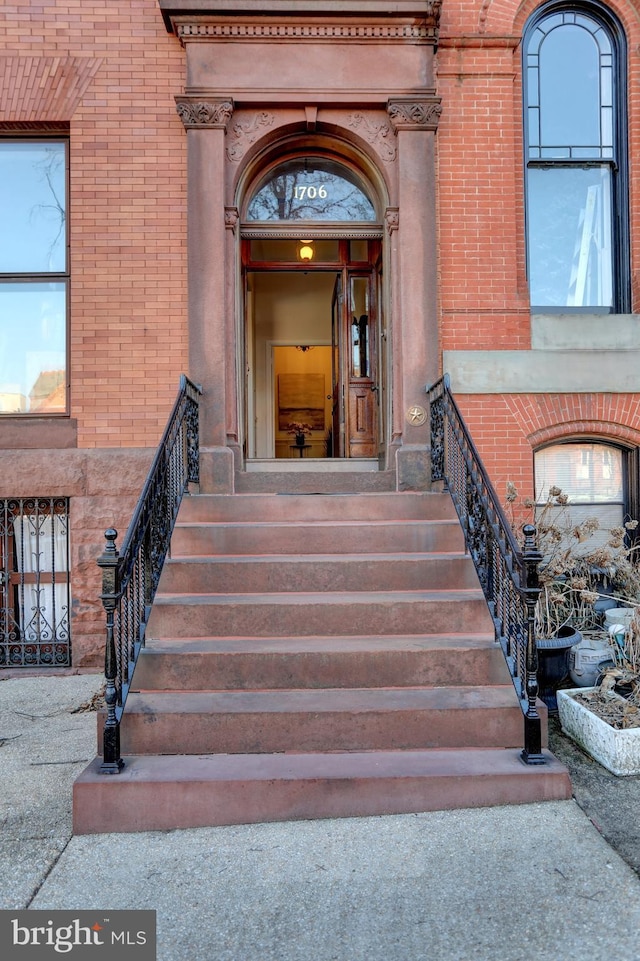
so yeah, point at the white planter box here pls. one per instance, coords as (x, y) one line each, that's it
(618, 751)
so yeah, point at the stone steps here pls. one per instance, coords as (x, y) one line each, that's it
(315, 655)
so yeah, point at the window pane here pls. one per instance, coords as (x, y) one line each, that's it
(33, 201)
(32, 348)
(587, 473)
(286, 251)
(570, 243)
(570, 88)
(312, 190)
(592, 477)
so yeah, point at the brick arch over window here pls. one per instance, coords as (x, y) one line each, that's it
(543, 417)
(507, 17)
(579, 430)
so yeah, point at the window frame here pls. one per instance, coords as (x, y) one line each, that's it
(618, 164)
(630, 470)
(35, 562)
(47, 277)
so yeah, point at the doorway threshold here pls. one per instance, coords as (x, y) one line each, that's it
(311, 465)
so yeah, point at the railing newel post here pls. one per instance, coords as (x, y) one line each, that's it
(531, 556)
(109, 561)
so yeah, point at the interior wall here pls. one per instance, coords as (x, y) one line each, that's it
(289, 309)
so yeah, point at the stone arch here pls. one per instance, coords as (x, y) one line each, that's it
(338, 144)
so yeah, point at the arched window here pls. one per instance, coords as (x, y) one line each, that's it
(311, 189)
(599, 479)
(575, 153)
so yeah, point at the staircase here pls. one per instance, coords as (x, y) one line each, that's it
(315, 655)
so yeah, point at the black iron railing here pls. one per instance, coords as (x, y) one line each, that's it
(130, 576)
(507, 574)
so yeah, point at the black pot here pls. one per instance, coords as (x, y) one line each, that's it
(299, 440)
(553, 663)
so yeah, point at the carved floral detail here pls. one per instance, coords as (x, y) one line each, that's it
(421, 114)
(379, 133)
(204, 113)
(245, 132)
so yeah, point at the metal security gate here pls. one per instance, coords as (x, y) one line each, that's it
(34, 582)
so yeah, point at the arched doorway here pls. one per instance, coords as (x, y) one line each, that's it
(313, 312)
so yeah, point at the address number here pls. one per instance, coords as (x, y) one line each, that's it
(311, 193)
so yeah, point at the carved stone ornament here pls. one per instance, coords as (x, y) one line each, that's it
(202, 113)
(392, 218)
(416, 416)
(422, 114)
(245, 132)
(424, 29)
(231, 217)
(379, 133)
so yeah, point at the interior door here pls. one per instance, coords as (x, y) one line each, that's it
(361, 416)
(337, 380)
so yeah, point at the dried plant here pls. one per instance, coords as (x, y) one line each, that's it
(578, 568)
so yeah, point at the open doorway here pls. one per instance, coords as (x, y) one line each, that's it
(311, 347)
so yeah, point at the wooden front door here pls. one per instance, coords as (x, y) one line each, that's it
(355, 369)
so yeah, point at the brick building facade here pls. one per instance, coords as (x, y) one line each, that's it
(176, 123)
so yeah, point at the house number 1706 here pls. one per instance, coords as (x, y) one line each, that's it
(311, 193)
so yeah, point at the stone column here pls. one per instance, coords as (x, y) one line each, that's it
(416, 318)
(205, 121)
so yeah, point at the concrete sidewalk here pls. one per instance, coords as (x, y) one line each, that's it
(497, 883)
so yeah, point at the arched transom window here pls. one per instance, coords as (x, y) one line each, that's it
(311, 189)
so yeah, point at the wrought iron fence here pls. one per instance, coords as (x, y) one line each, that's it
(507, 574)
(34, 582)
(130, 576)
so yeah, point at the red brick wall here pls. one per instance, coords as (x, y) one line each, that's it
(483, 293)
(127, 200)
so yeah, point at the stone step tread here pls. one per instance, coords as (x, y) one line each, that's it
(328, 700)
(168, 792)
(309, 598)
(379, 557)
(294, 765)
(313, 524)
(319, 644)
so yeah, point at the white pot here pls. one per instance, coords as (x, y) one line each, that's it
(618, 751)
(618, 615)
(585, 659)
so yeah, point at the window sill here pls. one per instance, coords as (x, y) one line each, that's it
(38, 433)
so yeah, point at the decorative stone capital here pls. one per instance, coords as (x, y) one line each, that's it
(231, 217)
(204, 113)
(392, 219)
(421, 113)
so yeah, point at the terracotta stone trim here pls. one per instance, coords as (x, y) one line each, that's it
(204, 113)
(328, 32)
